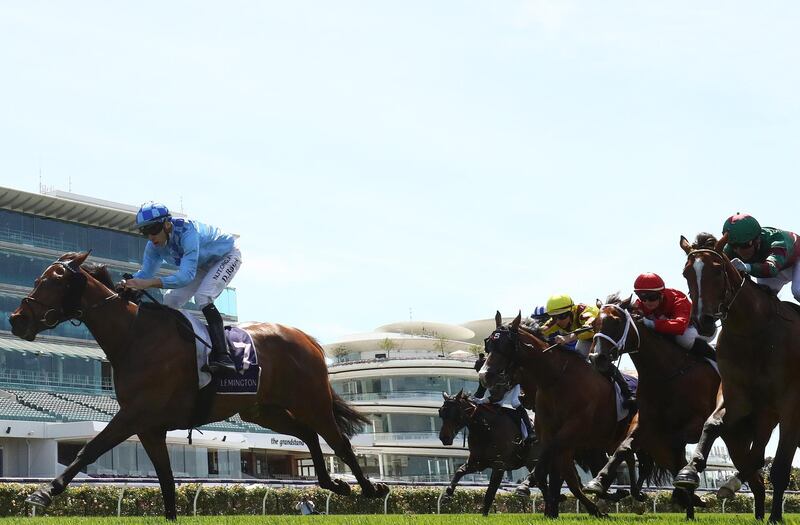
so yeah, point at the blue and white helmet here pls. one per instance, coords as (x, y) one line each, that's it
(151, 213)
(539, 312)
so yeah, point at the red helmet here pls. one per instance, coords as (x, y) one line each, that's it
(648, 282)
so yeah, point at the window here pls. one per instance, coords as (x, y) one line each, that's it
(305, 468)
(213, 463)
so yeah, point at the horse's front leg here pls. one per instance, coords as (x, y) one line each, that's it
(155, 445)
(467, 468)
(118, 430)
(689, 477)
(491, 490)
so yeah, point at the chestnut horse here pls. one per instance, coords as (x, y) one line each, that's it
(494, 441)
(759, 360)
(575, 405)
(155, 378)
(677, 392)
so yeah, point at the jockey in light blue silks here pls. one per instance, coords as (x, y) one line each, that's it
(207, 261)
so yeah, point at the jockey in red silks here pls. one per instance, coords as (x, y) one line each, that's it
(207, 260)
(668, 311)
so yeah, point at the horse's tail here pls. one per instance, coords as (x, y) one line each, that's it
(658, 476)
(348, 419)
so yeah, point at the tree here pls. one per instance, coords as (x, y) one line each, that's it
(440, 345)
(387, 345)
(339, 352)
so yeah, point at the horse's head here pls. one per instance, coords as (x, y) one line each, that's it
(711, 277)
(612, 329)
(56, 297)
(501, 347)
(454, 416)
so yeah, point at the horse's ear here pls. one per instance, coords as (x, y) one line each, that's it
(517, 320)
(599, 303)
(78, 260)
(498, 319)
(460, 393)
(685, 246)
(626, 303)
(445, 396)
(721, 243)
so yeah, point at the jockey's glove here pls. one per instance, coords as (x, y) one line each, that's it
(741, 265)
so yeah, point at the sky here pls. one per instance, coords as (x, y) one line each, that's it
(436, 161)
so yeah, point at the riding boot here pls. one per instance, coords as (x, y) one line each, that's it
(628, 399)
(701, 348)
(523, 415)
(219, 358)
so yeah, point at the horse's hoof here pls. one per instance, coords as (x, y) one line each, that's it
(641, 497)
(687, 479)
(39, 498)
(724, 493)
(594, 487)
(523, 490)
(340, 487)
(616, 496)
(381, 489)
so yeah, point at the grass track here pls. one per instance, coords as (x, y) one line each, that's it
(421, 519)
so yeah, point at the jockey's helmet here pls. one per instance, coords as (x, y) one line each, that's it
(648, 282)
(151, 213)
(559, 304)
(539, 312)
(741, 228)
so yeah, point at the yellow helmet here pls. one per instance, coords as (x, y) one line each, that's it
(559, 304)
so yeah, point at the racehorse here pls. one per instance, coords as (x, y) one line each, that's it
(677, 392)
(759, 361)
(156, 380)
(575, 405)
(495, 441)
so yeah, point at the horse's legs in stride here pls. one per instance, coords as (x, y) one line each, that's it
(689, 477)
(117, 431)
(342, 448)
(491, 490)
(155, 445)
(567, 462)
(463, 470)
(604, 478)
(280, 420)
(782, 464)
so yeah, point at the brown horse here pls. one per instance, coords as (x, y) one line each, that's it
(495, 441)
(759, 361)
(155, 378)
(575, 405)
(677, 392)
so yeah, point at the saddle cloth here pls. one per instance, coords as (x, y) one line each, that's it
(633, 384)
(241, 349)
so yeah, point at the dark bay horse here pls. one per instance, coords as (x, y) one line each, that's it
(495, 441)
(677, 392)
(758, 352)
(575, 405)
(156, 382)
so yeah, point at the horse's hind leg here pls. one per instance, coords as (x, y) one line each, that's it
(155, 445)
(280, 420)
(117, 431)
(331, 433)
(567, 462)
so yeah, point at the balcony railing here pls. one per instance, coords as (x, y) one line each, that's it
(39, 380)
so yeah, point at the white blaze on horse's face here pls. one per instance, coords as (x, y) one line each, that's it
(698, 272)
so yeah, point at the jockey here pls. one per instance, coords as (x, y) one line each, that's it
(540, 314)
(770, 255)
(668, 311)
(207, 261)
(565, 318)
(510, 401)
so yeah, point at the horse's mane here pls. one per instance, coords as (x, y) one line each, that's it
(704, 240)
(614, 298)
(98, 271)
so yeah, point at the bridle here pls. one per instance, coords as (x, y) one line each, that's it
(69, 309)
(730, 291)
(620, 343)
(509, 354)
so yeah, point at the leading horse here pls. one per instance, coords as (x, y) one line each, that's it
(575, 405)
(759, 360)
(156, 382)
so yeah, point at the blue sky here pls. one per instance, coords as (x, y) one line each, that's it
(440, 160)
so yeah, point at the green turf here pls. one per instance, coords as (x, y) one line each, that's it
(422, 519)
